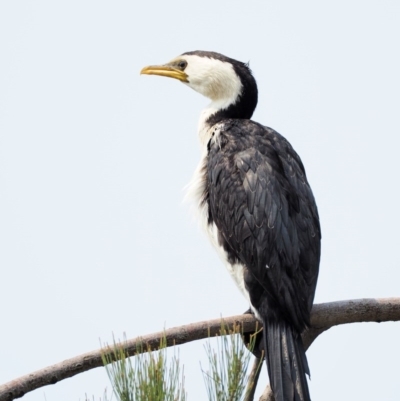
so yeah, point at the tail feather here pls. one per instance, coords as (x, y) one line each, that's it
(286, 362)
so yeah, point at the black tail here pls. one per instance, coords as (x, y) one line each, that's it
(286, 362)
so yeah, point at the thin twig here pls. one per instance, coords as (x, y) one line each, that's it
(323, 317)
(253, 379)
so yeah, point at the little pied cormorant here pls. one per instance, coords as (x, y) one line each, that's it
(258, 210)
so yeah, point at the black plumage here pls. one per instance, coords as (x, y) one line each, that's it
(259, 198)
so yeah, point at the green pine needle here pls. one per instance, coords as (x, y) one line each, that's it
(227, 379)
(147, 376)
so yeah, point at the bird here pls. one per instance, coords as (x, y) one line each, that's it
(257, 208)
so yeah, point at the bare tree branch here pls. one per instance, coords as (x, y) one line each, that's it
(253, 379)
(323, 317)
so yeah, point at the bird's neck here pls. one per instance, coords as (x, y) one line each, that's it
(211, 115)
(241, 107)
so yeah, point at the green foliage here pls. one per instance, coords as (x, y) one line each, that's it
(104, 398)
(227, 379)
(146, 377)
(150, 376)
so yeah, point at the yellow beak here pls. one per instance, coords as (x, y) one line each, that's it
(165, 71)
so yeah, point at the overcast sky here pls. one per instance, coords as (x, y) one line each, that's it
(94, 236)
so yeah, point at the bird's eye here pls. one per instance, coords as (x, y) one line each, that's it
(182, 64)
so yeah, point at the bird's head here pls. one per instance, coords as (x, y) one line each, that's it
(215, 76)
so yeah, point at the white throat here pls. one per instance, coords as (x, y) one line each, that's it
(204, 130)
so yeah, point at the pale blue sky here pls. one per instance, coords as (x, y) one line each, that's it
(94, 237)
